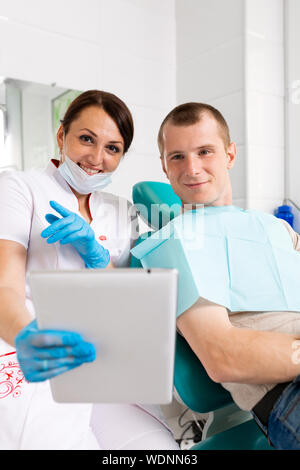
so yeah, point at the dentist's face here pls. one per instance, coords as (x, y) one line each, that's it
(93, 141)
(196, 162)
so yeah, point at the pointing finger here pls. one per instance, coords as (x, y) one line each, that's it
(60, 209)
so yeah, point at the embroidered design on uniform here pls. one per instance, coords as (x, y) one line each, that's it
(11, 377)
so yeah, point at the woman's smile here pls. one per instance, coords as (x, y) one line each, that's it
(89, 170)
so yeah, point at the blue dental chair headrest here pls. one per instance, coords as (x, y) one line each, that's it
(156, 202)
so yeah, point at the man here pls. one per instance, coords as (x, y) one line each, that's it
(247, 352)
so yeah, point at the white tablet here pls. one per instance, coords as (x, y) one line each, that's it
(130, 317)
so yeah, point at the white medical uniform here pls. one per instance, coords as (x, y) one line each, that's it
(30, 419)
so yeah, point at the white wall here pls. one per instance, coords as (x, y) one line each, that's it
(265, 92)
(126, 47)
(292, 37)
(230, 55)
(210, 68)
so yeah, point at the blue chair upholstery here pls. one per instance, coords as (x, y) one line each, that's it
(156, 202)
(194, 387)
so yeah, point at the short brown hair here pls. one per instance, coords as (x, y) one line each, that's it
(190, 113)
(111, 104)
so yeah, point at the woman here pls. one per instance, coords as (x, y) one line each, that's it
(92, 232)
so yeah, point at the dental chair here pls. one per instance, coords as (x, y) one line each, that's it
(227, 427)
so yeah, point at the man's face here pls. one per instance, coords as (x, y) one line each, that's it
(196, 162)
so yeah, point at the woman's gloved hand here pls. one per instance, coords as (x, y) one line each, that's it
(43, 354)
(73, 229)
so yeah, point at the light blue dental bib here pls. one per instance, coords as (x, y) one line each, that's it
(241, 259)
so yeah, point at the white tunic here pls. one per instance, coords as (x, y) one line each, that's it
(30, 419)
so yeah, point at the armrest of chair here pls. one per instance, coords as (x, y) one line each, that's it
(193, 385)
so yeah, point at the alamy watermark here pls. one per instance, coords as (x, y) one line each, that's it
(174, 221)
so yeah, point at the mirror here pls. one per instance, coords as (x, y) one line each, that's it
(30, 115)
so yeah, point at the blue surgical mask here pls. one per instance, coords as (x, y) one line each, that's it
(79, 180)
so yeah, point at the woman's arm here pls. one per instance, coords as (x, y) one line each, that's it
(240, 355)
(13, 312)
(42, 354)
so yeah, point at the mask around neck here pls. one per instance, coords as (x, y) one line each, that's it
(79, 180)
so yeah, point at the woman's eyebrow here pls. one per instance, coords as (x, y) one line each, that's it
(89, 130)
(116, 142)
(95, 135)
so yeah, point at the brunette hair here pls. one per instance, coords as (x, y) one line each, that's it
(190, 113)
(111, 104)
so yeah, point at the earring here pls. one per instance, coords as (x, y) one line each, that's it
(61, 156)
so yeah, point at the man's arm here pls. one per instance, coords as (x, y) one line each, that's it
(240, 355)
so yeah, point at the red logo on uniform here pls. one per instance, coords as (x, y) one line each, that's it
(102, 237)
(11, 377)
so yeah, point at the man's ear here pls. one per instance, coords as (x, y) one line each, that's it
(162, 161)
(231, 154)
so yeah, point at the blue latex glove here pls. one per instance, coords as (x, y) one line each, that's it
(73, 229)
(43, 354)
